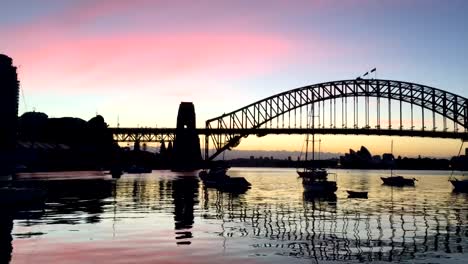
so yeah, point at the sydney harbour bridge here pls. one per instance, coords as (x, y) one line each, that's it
(346, 107)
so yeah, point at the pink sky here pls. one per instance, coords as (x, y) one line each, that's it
(139, 59)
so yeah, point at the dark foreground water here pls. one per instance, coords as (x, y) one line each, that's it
(166, 217)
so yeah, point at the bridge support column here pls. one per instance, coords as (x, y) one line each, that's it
(136, 146)
(8, 116)
(207, 147)
(186, 152)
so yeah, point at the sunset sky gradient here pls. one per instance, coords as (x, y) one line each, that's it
(138, 59)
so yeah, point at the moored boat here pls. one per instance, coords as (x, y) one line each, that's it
(317, 173)
(312, 172)
(116, 172)
(234, 184)
(398, 181)
(315, 179)
(214, 172)
(459, 185)
(355, 194)
(319, 186)
(211, 180)
(217, 178)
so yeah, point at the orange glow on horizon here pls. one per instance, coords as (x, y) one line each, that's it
(377, 145)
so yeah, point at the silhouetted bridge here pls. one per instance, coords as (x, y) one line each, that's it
(167, 134)
(348, 107)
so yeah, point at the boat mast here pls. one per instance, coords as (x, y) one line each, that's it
(307, 140)
(313, 133)
(393, 159)
(319, 150)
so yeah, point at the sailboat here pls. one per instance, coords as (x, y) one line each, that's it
(309, 171)
(459, 185)
(315, 179)
(397, 180)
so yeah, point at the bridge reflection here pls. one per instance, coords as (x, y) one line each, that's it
(323, 231)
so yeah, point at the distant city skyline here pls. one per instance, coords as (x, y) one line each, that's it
(137, 60)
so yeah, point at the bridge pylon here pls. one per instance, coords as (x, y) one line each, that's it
(186, 154)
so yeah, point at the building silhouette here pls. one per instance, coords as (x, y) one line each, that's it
(9, 92)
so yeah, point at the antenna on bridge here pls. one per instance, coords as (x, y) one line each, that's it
(362, 76)
(367, 73)
(118, 123)
(375, 72)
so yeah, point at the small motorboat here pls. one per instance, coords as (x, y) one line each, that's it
(354, 194)
(217, 178)
(214, 172)
(234, 183)
(226, 182)
(398, 181)
(459, 185)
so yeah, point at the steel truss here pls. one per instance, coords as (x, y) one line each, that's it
(143, 134)
(283, 106)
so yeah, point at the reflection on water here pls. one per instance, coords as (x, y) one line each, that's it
(167, 217)
(185, 194)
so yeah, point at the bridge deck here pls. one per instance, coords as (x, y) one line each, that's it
(158, 134)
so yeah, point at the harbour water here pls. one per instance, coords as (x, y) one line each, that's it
(167, 217)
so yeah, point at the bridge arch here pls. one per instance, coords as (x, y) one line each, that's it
(241, 122)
